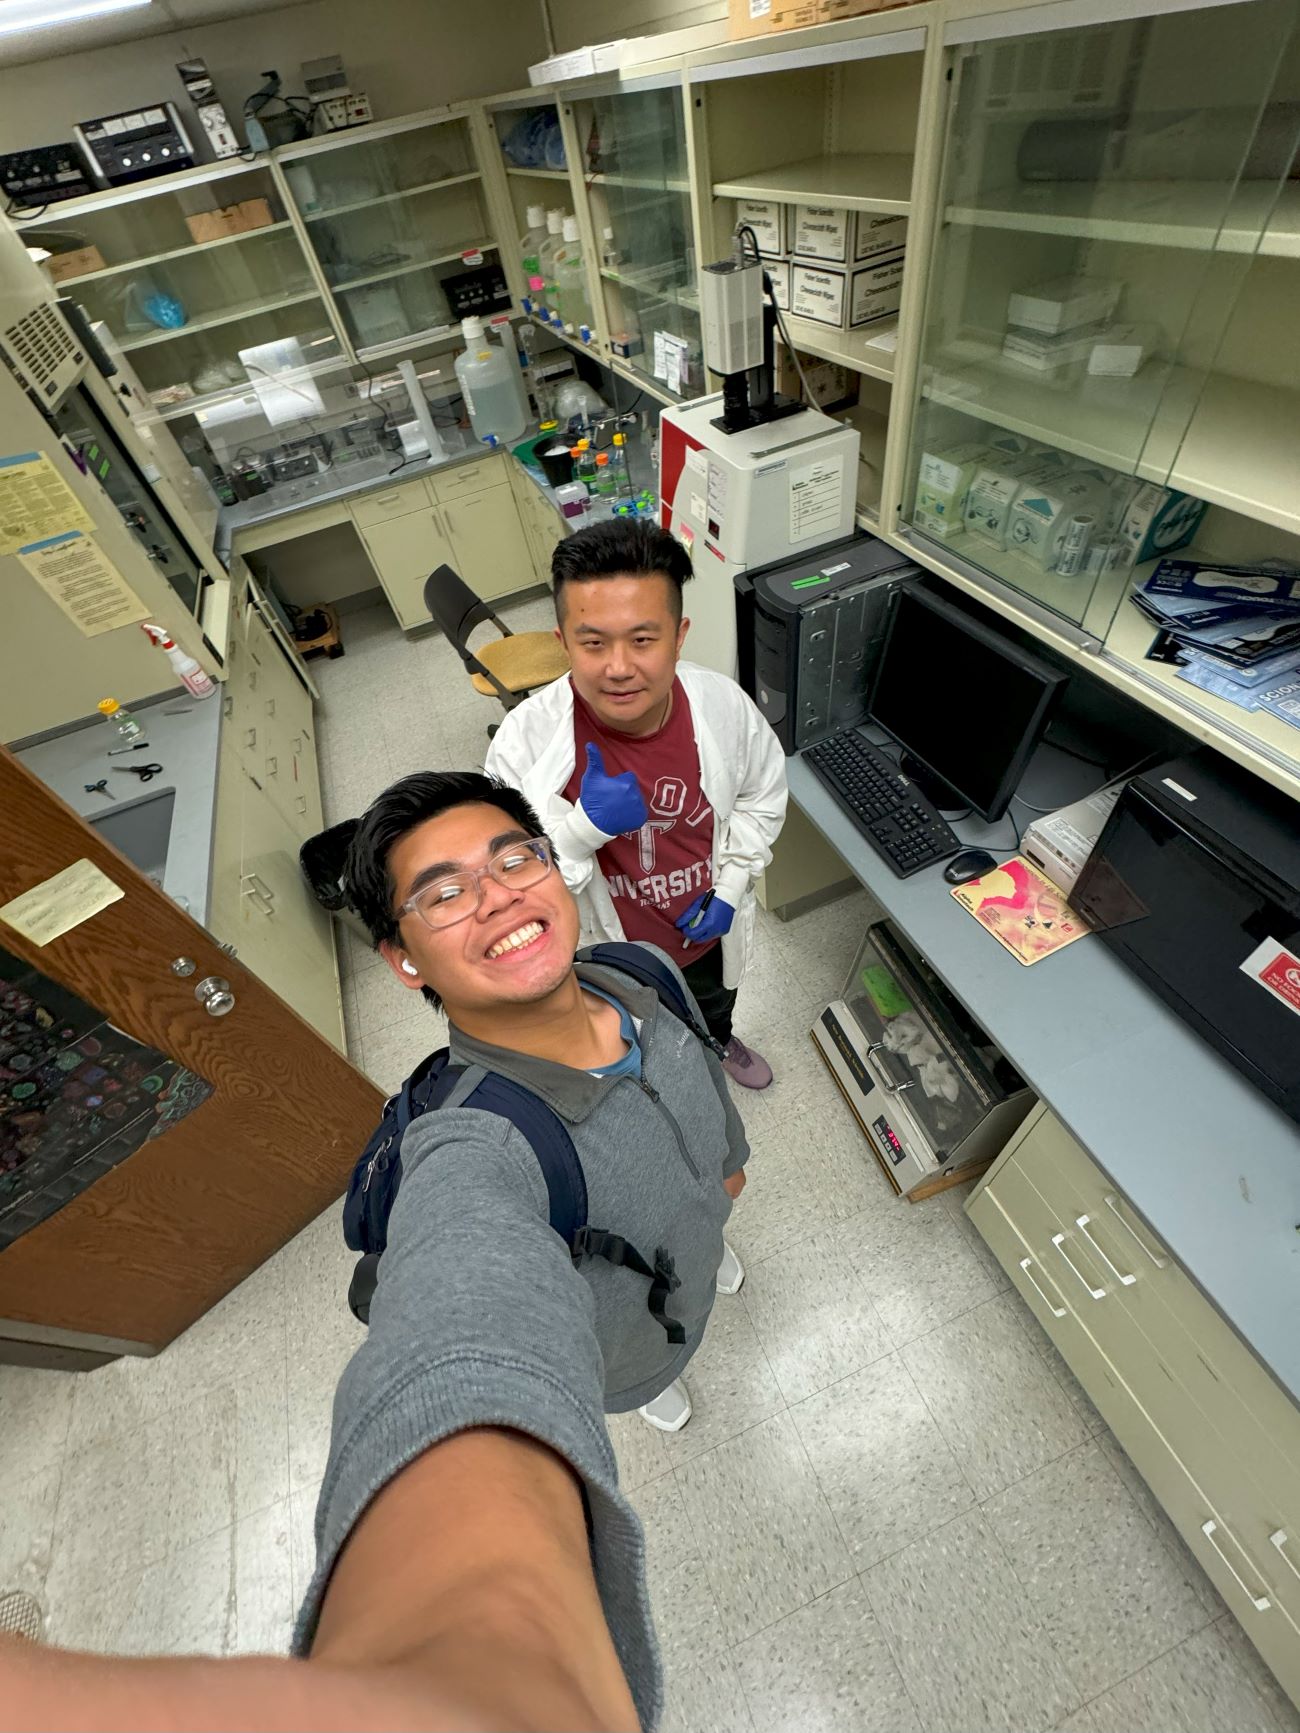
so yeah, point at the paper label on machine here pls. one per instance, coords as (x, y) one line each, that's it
(815, 493)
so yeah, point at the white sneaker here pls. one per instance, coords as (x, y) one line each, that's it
(670, 1410)
(731, 1272)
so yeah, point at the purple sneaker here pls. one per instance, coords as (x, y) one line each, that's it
(744, 1066)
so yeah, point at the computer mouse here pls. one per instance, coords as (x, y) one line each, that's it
(971, 863)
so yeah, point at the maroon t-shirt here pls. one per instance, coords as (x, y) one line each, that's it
(654, 874)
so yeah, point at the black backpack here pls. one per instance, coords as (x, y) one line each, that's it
(378, 1173)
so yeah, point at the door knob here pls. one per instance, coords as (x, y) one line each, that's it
(215, 996)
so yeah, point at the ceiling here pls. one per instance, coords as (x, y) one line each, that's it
(156, 19)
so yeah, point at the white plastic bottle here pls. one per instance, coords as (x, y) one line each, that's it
(487, 387)
(504, 331)
(530, 242)
(545, 298)
(572, 304)
(192, 676)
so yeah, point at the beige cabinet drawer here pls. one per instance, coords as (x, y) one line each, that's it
(1207, 1352)
(389, 502)
(468, 478)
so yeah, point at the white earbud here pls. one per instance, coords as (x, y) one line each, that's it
(409, 968)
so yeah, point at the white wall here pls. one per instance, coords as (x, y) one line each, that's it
(407, 54)
(575, 23)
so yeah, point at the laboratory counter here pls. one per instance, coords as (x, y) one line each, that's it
(336, 485)
(184, 736)
(1209, 1161)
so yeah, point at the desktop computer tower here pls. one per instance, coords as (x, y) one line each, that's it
(808, 634)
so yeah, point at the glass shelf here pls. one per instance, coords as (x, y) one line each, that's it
(390, 217)
(1135, 215)
(635, 177)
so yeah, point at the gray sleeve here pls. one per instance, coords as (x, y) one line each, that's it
(480, 1319)
(737, 1142)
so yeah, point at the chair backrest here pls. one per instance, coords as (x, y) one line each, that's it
(454, 608)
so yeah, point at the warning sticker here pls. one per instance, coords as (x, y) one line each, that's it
(1277, 970)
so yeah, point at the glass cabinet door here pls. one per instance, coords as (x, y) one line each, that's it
(1107, 191)
(635, 168)
(186, 276)
(400, 229)
(550, 273)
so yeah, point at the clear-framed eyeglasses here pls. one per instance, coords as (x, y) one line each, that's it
(445, 901)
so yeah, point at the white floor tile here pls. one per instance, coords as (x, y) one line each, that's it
(685, 1611)
(1202, 1686)
(706, 1697)
(730, 1382)
(27, 1507)
(35, 1411)
(813, 1316)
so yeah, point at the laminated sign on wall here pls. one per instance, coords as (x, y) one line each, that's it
(36, 502)
(76, 574)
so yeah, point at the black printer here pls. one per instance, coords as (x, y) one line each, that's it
(808, 631)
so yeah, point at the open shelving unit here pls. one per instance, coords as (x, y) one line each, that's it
(862, 350)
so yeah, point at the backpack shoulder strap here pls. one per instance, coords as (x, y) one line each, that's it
(642, 966)
(548, 1137)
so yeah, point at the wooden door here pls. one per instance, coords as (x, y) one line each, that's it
(491, 553)
(135, 1257)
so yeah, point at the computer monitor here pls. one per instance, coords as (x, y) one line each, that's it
(965, 705)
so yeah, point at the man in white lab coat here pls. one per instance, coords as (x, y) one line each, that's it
(659, 782)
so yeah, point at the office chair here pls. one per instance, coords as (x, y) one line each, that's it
(508, 668)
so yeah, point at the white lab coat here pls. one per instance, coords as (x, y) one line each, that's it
(742, 774)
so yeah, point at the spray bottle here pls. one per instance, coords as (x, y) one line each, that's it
(189, 672)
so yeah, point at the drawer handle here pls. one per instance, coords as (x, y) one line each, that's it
(270, 707)
(273, 766)
(227, 706)
(1261, 1603)
(260, 903)
(1056, 1311)
(1113, 1207)
(1058, 1240)
(1081, 1222)
(1278, 1538)
(301, 803)
(388, 498)
(251, 739)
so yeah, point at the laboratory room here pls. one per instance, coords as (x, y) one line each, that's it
(717, 582)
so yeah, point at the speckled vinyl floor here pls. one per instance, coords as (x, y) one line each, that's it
(893, 1509)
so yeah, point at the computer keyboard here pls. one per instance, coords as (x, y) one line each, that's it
(887, 807)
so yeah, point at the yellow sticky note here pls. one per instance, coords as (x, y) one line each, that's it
(36, 502)
(55, 906)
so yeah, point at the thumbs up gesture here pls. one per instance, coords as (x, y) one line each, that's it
(613, 803)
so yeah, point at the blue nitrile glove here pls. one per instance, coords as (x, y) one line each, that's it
(712, 924)
(613, 803)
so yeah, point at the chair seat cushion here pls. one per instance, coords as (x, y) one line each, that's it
(521, 662)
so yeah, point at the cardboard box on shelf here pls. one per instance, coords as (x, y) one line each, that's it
(875, 237)
(747, 18)
(846, 299)
(1157, 520)
(767, 219)
(779, 271)
(75, 264)
(1062, 303)
(1049, 353)
(822, 233)
(226, 220)
(875, 290)
(830, 385)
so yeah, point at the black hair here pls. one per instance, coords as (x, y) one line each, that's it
(622, 547)
(367, 879)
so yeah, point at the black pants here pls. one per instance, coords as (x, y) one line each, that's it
(704, 978)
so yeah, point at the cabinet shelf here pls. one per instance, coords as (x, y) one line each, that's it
(483, 246)
(1187, 214)
(538, 174)
(853, 182)
(853, 349)
(388, 198)
(194, 247)
(646, 183)
(209, 321)
(644, 285)
(233, 393)
(1259, 731)
(1234, 442)
(643, 381)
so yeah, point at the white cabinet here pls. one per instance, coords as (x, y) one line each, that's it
(1215, 1437)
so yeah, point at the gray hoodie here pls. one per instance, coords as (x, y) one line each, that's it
(481, 1318)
